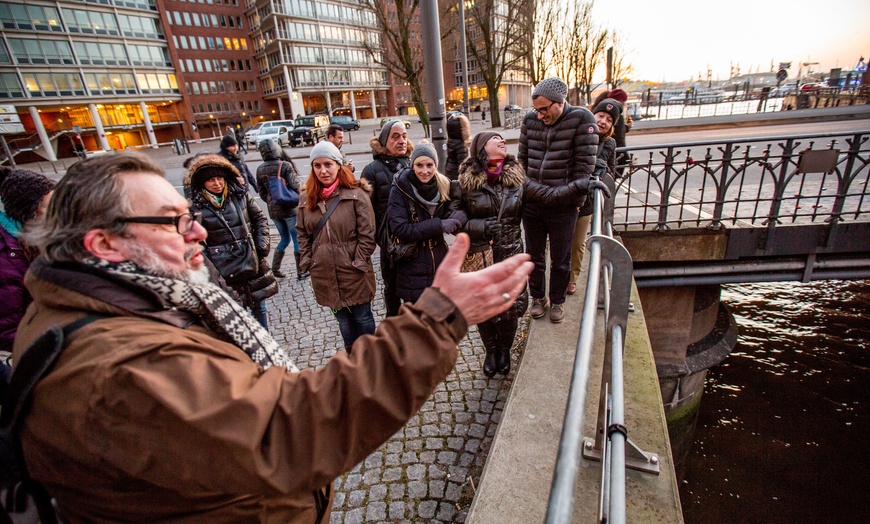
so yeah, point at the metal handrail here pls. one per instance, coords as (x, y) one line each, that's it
(764, 181)
(614, 275)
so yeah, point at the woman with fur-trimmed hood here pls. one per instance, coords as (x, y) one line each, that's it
(233, 219)
(458, 137)
(494, 191)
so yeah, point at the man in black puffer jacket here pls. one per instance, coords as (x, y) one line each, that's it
(558, 143)
(391, 150)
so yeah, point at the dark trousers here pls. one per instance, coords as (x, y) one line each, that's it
(391, 297)
(498, 335)
(355, 321)
(558, 226)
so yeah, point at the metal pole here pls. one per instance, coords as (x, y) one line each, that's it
(7, 151)
(434, 78)
(616, 514)
(462, 44)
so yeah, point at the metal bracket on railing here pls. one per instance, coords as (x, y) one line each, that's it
(617, 315)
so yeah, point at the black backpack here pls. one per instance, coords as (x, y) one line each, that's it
(35, 363)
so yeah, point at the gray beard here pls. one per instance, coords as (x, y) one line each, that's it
(147, 259)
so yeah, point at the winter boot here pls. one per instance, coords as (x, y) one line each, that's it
(490, 363)
(276, 263)
(503, 364)
(299, 274)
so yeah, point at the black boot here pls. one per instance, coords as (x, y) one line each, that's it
(490, 362)
(299, 274)
(489, 337)
(503, 364)
(276, 263)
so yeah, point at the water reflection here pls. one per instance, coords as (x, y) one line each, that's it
(785, 420)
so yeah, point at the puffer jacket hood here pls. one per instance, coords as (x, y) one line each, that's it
(459, 127)
(206, 166)
(269, 150)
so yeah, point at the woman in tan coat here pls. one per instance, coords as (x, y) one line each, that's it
(338, 251)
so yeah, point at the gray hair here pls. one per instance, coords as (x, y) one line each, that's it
(90, 196)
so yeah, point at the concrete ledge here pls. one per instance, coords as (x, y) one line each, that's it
(516, 480)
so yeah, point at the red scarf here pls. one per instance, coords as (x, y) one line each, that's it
(327, 191)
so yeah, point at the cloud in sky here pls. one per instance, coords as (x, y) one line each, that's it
(676, 39)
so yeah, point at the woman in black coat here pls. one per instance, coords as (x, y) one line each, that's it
(238, 232)
(494, 191)
(421, 211)
(458, 135)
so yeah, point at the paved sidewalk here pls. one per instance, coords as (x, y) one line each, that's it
(428, 471)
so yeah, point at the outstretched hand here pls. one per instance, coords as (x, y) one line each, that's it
(480, 295)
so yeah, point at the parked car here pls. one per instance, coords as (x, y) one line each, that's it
(309, 129)
(391, 118)
(512, 107)
(346, 122)
(251, 134)
(279, 133)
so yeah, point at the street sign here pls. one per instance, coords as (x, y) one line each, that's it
(10, 122)
(781, 75)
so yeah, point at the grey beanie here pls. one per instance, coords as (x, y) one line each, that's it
(326, 150)
(553, 89)
(385, 131)
(424, 149)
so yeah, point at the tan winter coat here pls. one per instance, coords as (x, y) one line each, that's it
(340, 258)
(148, 416)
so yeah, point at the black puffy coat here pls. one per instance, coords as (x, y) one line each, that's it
(605, 165)
(379, 174)
(558, 154)
(458, 134)
(415, 275)
(272, 157)
(241, 214)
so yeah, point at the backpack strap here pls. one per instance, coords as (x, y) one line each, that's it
(324, 218)
(34, 364)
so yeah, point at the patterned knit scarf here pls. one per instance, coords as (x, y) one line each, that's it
(218, 310)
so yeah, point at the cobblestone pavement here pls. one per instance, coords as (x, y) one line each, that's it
(427, 472)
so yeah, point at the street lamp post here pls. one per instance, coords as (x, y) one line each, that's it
(465, 107)
(434, 78)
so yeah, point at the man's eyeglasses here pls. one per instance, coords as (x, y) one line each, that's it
(183, 223)
(543, 110)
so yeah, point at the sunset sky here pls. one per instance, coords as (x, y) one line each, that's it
(675, 39)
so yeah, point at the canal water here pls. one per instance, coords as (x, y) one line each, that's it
(784, 427)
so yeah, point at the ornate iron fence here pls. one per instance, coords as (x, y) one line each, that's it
(745, 183)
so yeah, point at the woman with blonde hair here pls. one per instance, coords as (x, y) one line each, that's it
(423, 206)
(336, 227)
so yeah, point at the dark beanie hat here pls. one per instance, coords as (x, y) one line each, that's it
(227, 141)
(609, 106)
(22, 192)
(554, 89)
(385, 131)
(619, 95)
(479, 142)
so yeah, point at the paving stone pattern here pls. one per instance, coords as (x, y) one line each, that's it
(427, 472)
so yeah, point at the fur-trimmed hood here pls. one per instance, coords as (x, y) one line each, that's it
(379, 150)
(206, 166)
(512, 175)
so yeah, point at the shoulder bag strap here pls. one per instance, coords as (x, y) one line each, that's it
(324, 218)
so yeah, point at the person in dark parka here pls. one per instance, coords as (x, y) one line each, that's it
(458, 135)
(230, 214)
(422, 208)
(230, 151)
(283, 217)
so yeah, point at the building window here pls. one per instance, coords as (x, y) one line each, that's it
(33, 51)
(140, 27)
(10, 87)
(111, 83)
(54, 84)
(90, 22)
(29, 17)
(93, 53)
(150, 55)
(157, 83)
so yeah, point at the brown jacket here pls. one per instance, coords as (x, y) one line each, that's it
(149, 417)
(340, 259)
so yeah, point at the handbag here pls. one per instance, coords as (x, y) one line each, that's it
(281, 194)
(399, 251)
(477, 261)
(236, 261)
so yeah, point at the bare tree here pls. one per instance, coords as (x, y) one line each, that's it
(622, 67)
(587, 49)
(542, 37)
(499, 42)
(398, 46)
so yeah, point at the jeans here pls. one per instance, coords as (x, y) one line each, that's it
(558, 226)
(355, 321)
(259, 312)
(287, 230)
